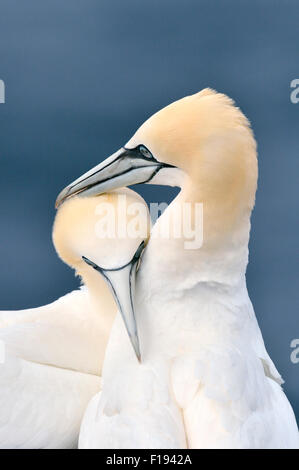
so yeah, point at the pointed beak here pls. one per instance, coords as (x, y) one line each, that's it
(123, 168)
(122, 285)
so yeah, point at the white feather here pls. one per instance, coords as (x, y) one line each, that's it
(50, 372)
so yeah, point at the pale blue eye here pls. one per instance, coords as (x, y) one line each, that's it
(145, 152)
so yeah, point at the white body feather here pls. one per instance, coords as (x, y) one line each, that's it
(206, 380)
(50, 372)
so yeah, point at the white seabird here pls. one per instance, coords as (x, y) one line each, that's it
(54, 354)
(206, 379)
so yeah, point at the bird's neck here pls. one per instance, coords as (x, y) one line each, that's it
(101, 299)
(209, 243)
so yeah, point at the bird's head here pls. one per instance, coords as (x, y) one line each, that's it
(202, 139)
(105, 236)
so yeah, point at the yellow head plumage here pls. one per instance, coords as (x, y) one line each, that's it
(210, 139)
(98, 228)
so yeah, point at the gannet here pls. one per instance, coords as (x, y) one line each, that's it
(205, 379)
(54, 354)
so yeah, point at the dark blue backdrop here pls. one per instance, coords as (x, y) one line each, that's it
(81, 75)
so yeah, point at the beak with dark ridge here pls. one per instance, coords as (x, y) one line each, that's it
(121, 281)
(124, 168)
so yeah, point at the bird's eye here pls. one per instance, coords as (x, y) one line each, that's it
(145, 152)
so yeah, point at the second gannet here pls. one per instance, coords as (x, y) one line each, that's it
(102, 238)
(53, 354)
(206, 379)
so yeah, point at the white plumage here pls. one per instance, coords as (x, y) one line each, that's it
(50, 372)
(54, 354)
(205, 379)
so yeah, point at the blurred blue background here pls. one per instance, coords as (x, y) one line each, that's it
(82, 75)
